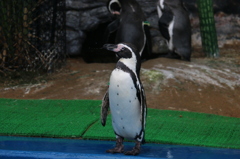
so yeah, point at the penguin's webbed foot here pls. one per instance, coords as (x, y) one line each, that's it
(116, 150)
(119, 148)
(135, 151)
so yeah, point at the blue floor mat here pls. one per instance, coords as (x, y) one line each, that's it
(51, 148)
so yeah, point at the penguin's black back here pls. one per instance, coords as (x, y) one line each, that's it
(174, 11)
(164, 21)
(131, 25)
(182, 32)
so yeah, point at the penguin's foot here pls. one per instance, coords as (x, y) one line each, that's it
(118, 148)
(135, 151)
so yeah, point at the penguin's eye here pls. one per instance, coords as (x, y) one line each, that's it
(122, 49)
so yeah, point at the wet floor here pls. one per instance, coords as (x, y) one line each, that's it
(49, 148)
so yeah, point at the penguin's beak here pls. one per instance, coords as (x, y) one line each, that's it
(110, 47)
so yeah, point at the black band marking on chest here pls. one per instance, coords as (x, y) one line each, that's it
(124, 68)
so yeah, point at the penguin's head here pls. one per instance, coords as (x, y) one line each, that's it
(123, 50)
(114, 6)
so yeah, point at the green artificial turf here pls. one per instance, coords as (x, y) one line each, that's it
(81, 119)
(49, 118)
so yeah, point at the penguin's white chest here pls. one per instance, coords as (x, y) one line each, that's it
(124, 105)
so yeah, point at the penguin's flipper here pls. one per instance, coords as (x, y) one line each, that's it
(111, 28)
(143, 111)
(105, 107)
(164, 21)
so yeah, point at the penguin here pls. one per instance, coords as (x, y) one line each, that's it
(174, 25)
(130, 26)
(126, 99)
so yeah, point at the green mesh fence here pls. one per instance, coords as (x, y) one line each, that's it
(32, 35)
(207, 27)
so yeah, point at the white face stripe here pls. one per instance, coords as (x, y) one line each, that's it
(159, 11)
(113, 1)
(130, 63)
(144, 40)
(160, 7)
(161, 3)
(120, 46)
(170, 30)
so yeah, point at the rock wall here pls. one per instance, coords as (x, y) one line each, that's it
(83, 16)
